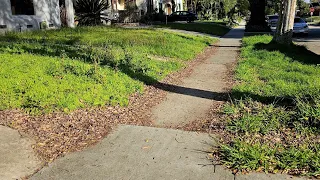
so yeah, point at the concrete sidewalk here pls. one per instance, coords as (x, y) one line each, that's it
(206, 85)
(17, 159)
(135, 152)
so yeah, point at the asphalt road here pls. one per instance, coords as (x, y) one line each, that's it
(312, 41)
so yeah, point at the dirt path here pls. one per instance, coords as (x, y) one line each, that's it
(207, 84)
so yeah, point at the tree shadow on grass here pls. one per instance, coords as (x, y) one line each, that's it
(124, 65)
(295, 52)
(285, 101)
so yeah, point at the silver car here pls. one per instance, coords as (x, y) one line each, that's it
(273, 21)
(300, 26)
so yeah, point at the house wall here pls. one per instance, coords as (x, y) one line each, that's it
(45, 10)
(168, 10)
(142, 5)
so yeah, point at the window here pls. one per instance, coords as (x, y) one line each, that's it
(273, 17)
(298, 20)
(22, 7)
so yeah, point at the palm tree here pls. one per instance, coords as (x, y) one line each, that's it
(90, 12)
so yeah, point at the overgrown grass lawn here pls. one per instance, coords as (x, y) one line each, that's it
(314, 19)
(90, 66)
(203, 27)
(273, 122)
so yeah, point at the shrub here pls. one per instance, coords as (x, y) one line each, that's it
(91, 12)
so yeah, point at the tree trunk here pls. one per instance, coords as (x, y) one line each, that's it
(286, 22)
(69, 13)
(257, 22)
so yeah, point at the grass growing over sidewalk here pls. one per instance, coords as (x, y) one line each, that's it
(89, 66)
(274, 120)
(208, 28)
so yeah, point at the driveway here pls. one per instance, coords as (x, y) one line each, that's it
(312, 41)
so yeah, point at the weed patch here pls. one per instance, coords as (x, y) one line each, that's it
(208, 28)
(272, 123)
(68, 69)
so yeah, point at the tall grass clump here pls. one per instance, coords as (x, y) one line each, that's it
(272, 123)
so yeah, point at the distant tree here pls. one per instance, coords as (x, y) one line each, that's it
(243, 7)
(273, 6)
(219, 9)
(303, 7)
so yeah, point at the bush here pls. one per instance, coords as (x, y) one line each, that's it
(90, 12)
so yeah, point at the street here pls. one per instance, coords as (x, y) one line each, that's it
(312, 41)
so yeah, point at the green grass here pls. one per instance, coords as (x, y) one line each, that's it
(274, 119)
(272, 72)
(208, 28)
(314, 19)
(220, 22)
(38, 83)
(68, 69)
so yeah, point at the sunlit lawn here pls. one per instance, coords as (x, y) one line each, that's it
(90, 66)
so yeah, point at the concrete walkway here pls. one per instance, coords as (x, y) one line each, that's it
(144, 153)
(194, 97)
(135, 152)
(17, 158)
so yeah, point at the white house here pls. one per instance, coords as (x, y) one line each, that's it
(143, 6)
(23, 15)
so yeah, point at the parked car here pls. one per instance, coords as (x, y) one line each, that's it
(182, 16)
(300, 26)
(273, 21)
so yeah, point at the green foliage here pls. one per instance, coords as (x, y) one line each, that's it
(253, 117)
(90, 12)
(309, 111)
(219, 9)
(273, 7)
(43, 25)
(275, 72)
(246, 155)
(313, 19)
(276, 126)
(303, 7)
(68, 69)
(36, 82)
(208, 28)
